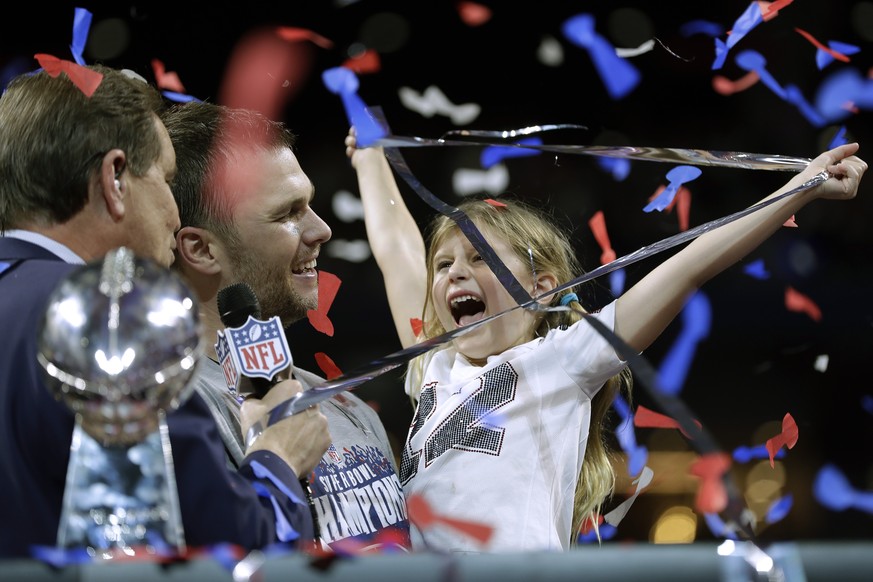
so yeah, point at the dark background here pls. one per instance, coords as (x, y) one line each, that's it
(757, 363)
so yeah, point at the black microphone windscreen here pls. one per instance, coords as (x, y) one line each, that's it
(236, 303)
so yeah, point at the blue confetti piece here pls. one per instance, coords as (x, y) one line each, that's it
(227, 555)
(60, 557)
(262, 472)
(779, 509)
(750, 60)
(621, 406)
(618, 167)
(867, 403)
(677, 176)
(344, 82)
(285, 532)
(824, 58)
(618, 75)
(625, 429)
(617, 281)
(721, 51)
(607, 531)
(839, 138)
(794, 96)
(841, 88)
(179, 97)
(626, 435)
(718, 527)
(697, 316)
(493, 155)
(696, 319)
(636, 461)
(81, 26)
(704, 27)
(746, 454)
(14, 67)
(637, 455)
(832, 489)
(624, 432)
(748, 20)
(757, 270)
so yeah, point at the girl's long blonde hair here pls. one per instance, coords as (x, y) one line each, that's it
(535, 237)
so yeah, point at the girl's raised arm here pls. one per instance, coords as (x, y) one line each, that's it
(394, 237)
(645, 310)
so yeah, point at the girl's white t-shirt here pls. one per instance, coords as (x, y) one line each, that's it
(502, 444)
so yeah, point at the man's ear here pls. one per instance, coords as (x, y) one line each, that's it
(112, 184)
(545, 282)
(196, 249)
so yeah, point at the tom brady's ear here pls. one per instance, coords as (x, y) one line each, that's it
(195, 249)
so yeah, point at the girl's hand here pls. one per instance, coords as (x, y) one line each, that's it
(845, 168)
(362, 155)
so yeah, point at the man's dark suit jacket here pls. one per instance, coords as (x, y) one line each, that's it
(218, 504)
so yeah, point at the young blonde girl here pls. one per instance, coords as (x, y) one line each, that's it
(508, 424)
(553, 258)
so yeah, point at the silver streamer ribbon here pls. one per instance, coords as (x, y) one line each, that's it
(695, 157)
(387, 363)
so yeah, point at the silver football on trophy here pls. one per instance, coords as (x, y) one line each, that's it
(120, 341)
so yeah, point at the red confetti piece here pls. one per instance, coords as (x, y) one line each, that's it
(292, 34)
(473, 14)
(682, 202)
(769, 10)
(588, 524)
(366, 62)
(324, 556)
(790, 222)
(165, 80)
(837, 55)
(327, 366)
(787, 437)
(417, 325)
(666, 195)
(797, 301)
(264, 72)
(711, 494)
(683, 207)
(725, 86)
(85, 79)
(597, 224)
(421, 514)
(646, 418)
(391, 537)
(328, 285)
(495, 203)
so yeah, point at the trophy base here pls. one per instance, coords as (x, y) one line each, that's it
(119, 500)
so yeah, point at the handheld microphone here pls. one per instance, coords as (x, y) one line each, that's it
(256, 349)
(249, 346)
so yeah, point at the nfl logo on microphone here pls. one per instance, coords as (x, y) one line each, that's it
(257, 349)
(222, 350)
